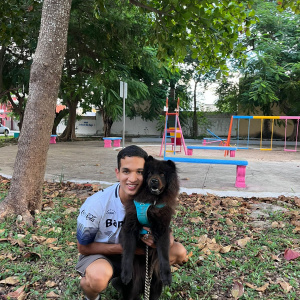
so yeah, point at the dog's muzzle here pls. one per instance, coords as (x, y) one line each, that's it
(154, 186)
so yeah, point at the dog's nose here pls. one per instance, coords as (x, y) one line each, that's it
(154, 181)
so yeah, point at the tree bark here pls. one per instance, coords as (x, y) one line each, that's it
(18, 108)
(107, 124)
(25, 194)
(2, 52)
(69, 132)
(293, 135)
(58, 117)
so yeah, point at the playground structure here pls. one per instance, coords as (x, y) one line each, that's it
(215, 139)
(176, 136)
(262, 118)
(172, 136)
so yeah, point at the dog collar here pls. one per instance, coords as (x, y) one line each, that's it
(141, 210)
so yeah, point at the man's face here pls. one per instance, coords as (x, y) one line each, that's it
(130, 176)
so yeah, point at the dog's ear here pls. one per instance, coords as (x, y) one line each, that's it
(171, 164)
(150, 158)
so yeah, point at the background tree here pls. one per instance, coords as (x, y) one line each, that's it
(269, 78)
(18, 41)
(25, 193)
(208, 28)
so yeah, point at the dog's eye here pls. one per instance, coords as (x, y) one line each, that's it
(162, 174)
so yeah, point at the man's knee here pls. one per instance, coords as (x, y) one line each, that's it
(178, 254)
(97, 277)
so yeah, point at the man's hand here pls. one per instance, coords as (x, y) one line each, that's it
(149, 240)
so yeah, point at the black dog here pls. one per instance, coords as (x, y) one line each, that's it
(159, 190)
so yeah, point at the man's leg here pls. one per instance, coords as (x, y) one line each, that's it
(177, 254)
(97, 276)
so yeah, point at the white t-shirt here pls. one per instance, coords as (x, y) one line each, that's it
(101, 217)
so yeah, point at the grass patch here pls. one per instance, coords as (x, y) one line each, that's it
(223, 245)
(7, 140)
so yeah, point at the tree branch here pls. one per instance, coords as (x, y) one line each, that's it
(152, 9)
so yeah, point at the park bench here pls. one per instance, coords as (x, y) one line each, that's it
(240, 166)
(107, 141)
(229, 148)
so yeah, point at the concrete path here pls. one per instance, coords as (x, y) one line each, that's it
(269, 173)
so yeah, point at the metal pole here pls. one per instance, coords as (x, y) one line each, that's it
(123, 139)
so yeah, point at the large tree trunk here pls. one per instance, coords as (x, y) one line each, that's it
(18, 108)
(58, 117)
(107, 124)
(296, 128)
(25, 194)
(2, 52)
(69, 132)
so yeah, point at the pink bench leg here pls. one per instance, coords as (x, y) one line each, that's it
(240, 177)
(53, 140)
(107, 143)
(204, 142)
(189, 151)
(117, 143)
(232, 153)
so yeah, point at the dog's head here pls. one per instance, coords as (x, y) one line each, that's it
(160, 176)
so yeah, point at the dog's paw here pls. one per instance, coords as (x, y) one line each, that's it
(166, 277)
(126, 276)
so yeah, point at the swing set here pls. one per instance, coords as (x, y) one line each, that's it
(262, 118)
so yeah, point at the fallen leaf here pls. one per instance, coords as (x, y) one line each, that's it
(5, 240)
(296, 229)
(263, 288)
(55, 247)
(251, 286)
(243, 242)
(225, 249)
(237, 290)
(202, 239)
(173, 269)
(275, 257)
(71, 243)
(70, 210)
(297, 201)
(50, 240)
(10, 280)
(196, 220)
(290, 254)
(50, 283)
(188, 256)
(214, 247)
(32, 255)
(229, 222)
(18, 294)
(38, 239)
(284, 285)
(52, 295)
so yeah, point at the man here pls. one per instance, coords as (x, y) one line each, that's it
(99, 224)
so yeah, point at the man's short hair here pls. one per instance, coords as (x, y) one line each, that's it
(130, 151)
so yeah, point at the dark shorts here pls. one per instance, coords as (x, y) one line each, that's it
(85, 260)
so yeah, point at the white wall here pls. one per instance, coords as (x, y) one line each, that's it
(219, 125)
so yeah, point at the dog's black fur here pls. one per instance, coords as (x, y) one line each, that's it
(160, 186)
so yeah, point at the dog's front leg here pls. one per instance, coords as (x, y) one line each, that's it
(129, 247)
(163, 248)
(129, 237)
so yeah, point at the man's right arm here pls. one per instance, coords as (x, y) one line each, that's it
(99, 248)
